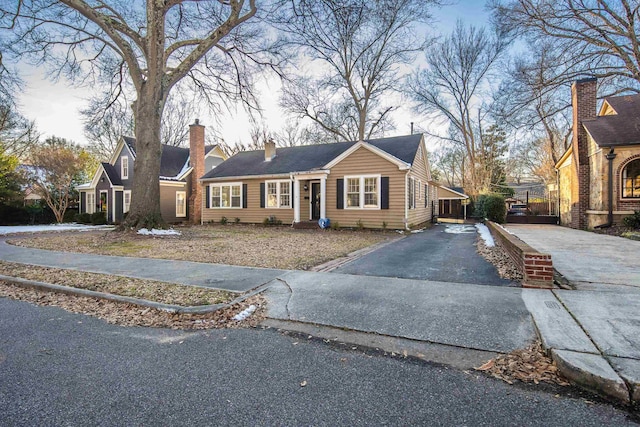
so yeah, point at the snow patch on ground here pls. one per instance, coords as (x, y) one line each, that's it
(10, 229)
(156, 232)
(245, 313)
(486, 235)
(459, 228)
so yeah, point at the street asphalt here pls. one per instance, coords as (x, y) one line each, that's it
(58, 368)
(443, 253)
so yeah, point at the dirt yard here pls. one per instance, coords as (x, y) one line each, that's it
(253, 246)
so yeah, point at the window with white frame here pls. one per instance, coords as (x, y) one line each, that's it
(362, 192)
(126, 200)
(181, 204)
(124, 167)
(91, 202)
(411, 193)
(226, 195)
(278, 194)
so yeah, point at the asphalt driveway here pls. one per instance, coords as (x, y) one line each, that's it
(443, 253)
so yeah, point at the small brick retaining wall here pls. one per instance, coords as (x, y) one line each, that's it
(536, 267)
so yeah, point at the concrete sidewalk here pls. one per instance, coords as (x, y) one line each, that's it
(227, 277)
(593, 332)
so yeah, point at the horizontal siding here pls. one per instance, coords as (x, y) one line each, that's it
(364, 162)
(419, 171)
(253, 213)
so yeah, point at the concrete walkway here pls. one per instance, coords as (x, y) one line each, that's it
(593, 332)
(231, 278)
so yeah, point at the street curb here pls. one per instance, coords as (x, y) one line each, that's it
(592, 372)
(169, 308)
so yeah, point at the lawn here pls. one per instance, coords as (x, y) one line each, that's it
(247, 245)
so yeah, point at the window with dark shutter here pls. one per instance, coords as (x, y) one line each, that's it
(384, 192)
(262, 195)
(340, 193)
(244, 196)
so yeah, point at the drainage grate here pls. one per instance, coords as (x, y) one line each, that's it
(553, 305)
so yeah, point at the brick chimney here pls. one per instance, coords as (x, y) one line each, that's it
(196, 161)
(269, 150)
(583, 100)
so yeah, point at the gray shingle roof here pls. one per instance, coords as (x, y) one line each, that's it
(617, 129)
(308, 157)
(111, 173)
(173, 159)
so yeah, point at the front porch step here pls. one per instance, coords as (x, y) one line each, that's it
(306, 225)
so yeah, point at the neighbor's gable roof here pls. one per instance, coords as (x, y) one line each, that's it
(622, 128)
(309, 157)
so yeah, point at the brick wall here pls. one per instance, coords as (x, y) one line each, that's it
(536, 267)
(583, 100)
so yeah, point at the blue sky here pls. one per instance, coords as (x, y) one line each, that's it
(55, 107)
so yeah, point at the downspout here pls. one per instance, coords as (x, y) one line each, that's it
(609, 223)
(406, 201)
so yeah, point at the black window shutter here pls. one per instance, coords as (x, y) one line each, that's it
(384, 192)
(244, 196)
(208, 198)
(340, 193)
(262, 194)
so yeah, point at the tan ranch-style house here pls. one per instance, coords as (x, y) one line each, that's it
(599, 174)
(180, 168)
(376, 184)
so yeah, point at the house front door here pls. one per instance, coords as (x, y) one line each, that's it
(315, 200)
(103, 201)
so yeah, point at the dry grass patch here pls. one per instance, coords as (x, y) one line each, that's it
(132, 315)
(151, 290)
(253, 246)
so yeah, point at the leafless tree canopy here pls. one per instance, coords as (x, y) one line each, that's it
(454, 89)
(152, 46)
(355, 51)
(584, 37)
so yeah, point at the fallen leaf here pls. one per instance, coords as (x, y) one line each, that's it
(303, 383)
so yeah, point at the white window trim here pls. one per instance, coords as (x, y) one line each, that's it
(106, 192)
(184, 204)
(126, 208)
(226, 184)
(361, 191)
(91, 207)
(124, 175)
(266, 194)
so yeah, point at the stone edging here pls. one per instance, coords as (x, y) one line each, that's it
(536, 267)
(169, 308)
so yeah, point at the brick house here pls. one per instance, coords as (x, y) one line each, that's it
(599, 174)
(376, 183)
(180, 168)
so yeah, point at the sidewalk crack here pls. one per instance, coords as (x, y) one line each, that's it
(286, 307)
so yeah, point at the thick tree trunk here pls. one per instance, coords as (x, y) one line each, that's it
(145, 195)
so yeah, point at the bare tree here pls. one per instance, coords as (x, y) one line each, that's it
(152, 46)
(357, 49)
(594, 37)
(452, 89)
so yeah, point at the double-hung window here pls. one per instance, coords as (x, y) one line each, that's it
(412, 193)
(226, 195)
(124, 167)
(126, 200)
(181, 204)
(362, 192)
(91, 202)
(278, 194)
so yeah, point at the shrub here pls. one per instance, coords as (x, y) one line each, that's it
(69, 215)
(236, 220)
(335, 225)
(82, 218)
(491, 207)
(98, 218)
(224, 220)
(632, 221)
(359, 225)
(271, 221)
(384, 225)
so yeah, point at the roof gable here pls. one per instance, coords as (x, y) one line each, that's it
(372, 148)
